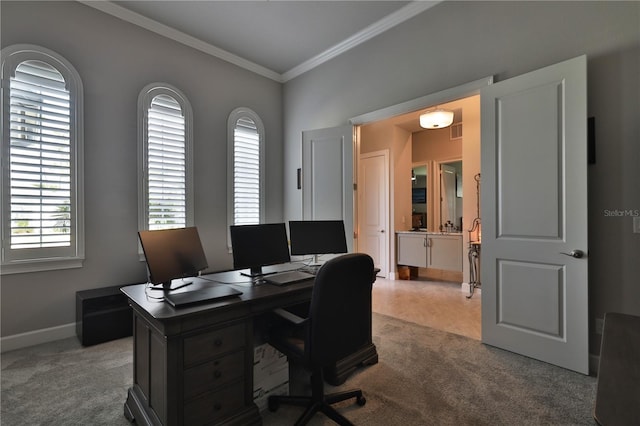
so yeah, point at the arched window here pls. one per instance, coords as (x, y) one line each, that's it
(42, 154)
(166, 158)
(245, 133)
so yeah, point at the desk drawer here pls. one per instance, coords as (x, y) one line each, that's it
(211, 408)
(209, 345)
(213, 374)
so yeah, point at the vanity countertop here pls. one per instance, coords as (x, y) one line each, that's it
(421, 231)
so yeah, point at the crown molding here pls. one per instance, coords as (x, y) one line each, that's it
(401, 15)
(173, 34)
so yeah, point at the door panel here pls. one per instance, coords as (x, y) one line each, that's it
(534, 209)
(533, 119)
(531, 285)
(327, 176)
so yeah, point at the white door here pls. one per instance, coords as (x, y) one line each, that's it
(534, 213)
(373, 208)
(327, 176)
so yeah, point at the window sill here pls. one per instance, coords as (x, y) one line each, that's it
(23, 267)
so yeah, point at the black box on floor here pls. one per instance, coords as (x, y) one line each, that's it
(102, 314)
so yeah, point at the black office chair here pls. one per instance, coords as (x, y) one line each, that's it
(337, 325)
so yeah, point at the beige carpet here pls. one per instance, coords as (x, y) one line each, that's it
(424, 377)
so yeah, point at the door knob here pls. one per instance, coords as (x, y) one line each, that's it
(382, 231)
(574, 253)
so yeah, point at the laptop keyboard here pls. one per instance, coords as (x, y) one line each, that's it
(288, 277)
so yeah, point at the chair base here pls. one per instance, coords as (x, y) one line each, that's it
(313, 405)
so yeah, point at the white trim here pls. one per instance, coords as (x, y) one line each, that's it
(401, 15)
(146, 96)
(53, 258)
(458, 92)
(38, 265)
(36, 337)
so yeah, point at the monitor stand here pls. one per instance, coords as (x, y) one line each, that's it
(257, 273)
(171, 285)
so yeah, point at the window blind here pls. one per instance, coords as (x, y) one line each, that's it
(166, 164)
(246, 173)
(41, 208)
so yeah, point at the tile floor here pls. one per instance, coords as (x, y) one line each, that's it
(440, 305)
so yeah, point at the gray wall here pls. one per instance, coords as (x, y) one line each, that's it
(457, 42)
(115, 61)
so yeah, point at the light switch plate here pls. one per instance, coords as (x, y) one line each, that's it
(636, 224)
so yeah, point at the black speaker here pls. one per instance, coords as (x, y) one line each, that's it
(102, 314)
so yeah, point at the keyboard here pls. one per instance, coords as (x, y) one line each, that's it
(209, 294)
(288, 277)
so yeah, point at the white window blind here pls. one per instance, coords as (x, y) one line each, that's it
(41, 203)
(166, 164)
(246, 173)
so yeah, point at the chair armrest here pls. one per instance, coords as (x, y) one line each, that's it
(293, 318)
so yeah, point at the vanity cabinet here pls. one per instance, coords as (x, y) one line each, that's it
(430, 250)
(444, 252)
(412, 249)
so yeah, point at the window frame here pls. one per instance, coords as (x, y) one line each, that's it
(234, 116)
(148, 93)
(43, 259)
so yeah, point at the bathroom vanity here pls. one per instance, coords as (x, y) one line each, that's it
(430, 250)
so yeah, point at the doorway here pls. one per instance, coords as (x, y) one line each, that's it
(544, 316)
(422, 201)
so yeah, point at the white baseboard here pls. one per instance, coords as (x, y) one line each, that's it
(466, 288)
(36, 337)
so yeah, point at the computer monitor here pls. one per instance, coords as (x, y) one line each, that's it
(172, 254)
(317, 237)
(255, 246)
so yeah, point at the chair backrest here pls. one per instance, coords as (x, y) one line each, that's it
(340, 311)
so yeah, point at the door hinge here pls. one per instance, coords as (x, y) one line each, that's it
(355, 186)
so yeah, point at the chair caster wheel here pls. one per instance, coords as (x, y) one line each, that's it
(273, 404)
(361, 400)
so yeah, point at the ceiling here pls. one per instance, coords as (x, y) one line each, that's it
(277, 39)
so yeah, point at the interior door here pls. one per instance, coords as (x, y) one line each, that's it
(373, 208)
(327, 176)
(534, 215)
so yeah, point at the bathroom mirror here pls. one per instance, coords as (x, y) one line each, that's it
(451, 196)
(419, 202)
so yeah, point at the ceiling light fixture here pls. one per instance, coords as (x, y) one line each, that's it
(436, 119)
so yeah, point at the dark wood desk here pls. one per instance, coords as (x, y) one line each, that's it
(194, 365)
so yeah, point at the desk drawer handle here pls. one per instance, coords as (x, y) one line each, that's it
(217, 406)
(217, 374)
(218, 342)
